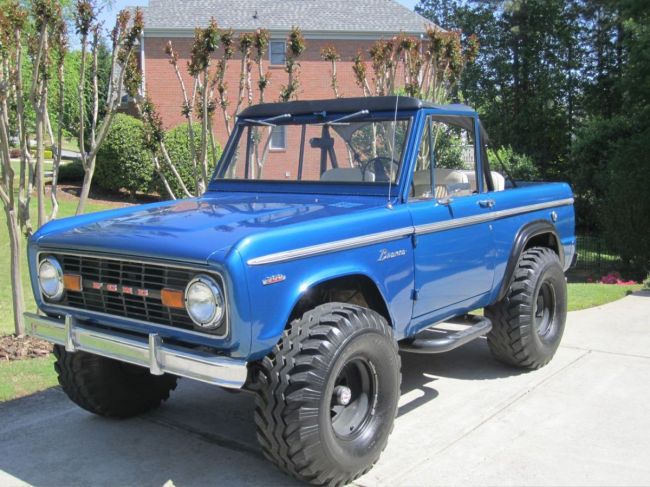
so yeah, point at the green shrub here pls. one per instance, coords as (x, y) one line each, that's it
(71, 172)
(626, 206)
(123, 161)
(520, 166)
(177, 142)
(646, 283)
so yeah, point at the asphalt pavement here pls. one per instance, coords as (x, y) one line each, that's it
(463, 419)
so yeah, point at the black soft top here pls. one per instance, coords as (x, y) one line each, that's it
(347, 105)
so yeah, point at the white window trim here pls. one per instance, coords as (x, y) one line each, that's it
(284, 43)
(284, 139)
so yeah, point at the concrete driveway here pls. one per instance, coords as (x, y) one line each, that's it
(463, 420)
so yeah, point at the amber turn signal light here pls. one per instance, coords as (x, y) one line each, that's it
(172, 298)
(72, 282)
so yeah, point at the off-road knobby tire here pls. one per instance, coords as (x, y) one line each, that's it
(514, 338)
(295, 383)
(110, 388)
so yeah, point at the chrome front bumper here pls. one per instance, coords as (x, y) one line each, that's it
(158, 357)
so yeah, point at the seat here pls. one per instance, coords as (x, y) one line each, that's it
(451, 181)
(421, 184)
(498, 180)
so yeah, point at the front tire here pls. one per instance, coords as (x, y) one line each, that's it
(108, 387)
(327, 395)
(528, 323)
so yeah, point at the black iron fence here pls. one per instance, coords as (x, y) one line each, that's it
(595, 258)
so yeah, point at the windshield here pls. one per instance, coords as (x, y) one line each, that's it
(355, 148)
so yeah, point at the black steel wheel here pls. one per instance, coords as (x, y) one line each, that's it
(528, 323)
(327, 395)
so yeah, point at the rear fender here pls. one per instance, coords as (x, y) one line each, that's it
(542, 231)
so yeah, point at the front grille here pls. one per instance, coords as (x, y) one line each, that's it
(123, 284)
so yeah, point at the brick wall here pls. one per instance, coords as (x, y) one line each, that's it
(315, 79)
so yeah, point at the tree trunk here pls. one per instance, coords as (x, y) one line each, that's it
(17, 298)
(40, 182)
(85, 188)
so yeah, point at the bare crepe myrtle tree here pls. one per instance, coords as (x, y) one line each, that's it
(253, 48)
(331, 55)
(13, 19)
(187, 111)
(47, 21)
(261, 42)
(154, 133)
(228, 51)
(295, 47)
(60, 40)
(41, 29)
(430, 68)
(206, 43)
(124, 37)
(360, 70)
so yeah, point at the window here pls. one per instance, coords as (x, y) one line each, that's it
(279, 138)
(309, 149)
(277, 53)
(445, 165)
(421, 187)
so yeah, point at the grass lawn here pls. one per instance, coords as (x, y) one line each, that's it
(582, 296)
(71, 144)
(66, 208)
(24, 377)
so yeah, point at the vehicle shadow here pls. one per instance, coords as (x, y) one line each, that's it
(201, 436)
(470, 362)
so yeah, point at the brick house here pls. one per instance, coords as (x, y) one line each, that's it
(348, 25)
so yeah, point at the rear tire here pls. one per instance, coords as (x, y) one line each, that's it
(108, 387)
(327, 395)
(528, 323)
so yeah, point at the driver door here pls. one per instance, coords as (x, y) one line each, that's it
(454, 257)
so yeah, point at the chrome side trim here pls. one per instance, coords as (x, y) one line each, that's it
(389, 235)
(151, 353)
(348, 243)
(487, 217)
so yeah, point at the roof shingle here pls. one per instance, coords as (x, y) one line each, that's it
(340, 16)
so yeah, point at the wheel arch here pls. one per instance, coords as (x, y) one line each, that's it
(353, 288)
(538, 233)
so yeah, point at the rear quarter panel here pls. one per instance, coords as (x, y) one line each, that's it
(506, 229)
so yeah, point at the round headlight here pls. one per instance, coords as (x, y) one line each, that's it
(50, 278)
(204, 302)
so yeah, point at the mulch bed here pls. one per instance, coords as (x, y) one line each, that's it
(21, 348)
(98, 195)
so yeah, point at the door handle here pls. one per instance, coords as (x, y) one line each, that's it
(487, 203)
(445, 201)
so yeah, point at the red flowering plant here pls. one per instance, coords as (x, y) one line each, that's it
(615, 278)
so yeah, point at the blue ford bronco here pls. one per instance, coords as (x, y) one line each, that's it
(333, 234)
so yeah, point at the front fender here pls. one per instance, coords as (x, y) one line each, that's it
(275, 289)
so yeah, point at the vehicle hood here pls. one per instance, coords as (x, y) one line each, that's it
(193, 229)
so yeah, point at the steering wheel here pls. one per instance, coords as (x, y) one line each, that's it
(382, 167)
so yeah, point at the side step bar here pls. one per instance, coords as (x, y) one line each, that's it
(448, 340)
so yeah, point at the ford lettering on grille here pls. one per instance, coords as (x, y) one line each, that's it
(127, 288)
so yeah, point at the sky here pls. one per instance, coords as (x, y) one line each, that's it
(108, 15)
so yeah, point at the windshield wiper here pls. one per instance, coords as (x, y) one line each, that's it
(344, 117)
(267, 121)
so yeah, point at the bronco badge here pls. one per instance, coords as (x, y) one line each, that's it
(385, 254)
